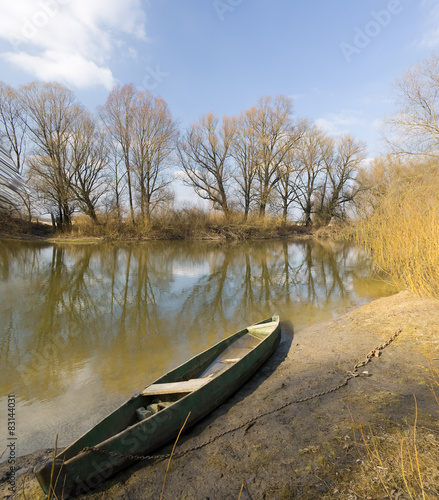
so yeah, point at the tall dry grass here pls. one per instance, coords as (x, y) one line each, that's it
(403, 464)
(190, 223)
(403, 231)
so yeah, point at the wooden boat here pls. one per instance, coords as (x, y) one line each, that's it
(155, 416)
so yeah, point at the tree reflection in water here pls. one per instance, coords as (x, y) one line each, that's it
(84, 326)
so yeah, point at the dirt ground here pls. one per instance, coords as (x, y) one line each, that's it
(312, 449)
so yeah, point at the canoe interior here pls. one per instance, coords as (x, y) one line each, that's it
(208, 364)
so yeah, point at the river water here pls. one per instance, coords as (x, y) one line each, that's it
(84, 327)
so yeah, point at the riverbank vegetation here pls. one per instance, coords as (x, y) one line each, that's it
(399, 217)
(402, 233)
(398, 221)
(190, 223)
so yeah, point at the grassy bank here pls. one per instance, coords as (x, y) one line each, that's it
(175, 225)
(191, 224)
(15, 227)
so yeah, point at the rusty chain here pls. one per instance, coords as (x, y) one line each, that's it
(249, 423)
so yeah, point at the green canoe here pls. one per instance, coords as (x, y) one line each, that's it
(155, 416)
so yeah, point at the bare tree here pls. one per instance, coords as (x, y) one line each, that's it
(52, 113)
(14, 125)
(375, 180)
(13, 120)
(342, 158)
(118, 116)
(288, 186)
(117, 179)
(285, 187)
(388, 174)
(204, 153)
(275, 135)
(244, 152)
(11, 184)
(88, 159)
(309, 166)
(414, 129)
(153, 138)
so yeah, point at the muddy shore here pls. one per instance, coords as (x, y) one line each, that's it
(312, 449)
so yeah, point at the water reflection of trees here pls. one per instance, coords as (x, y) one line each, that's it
(124, 311)
(252, 280)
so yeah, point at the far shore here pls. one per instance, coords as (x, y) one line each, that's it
(49, 235)
(199, 227)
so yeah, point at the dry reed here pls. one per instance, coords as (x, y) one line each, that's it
(401, 464)
(403, 232)
(172, 453)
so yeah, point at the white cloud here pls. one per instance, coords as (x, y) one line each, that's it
(181, 175)
(378, 123)
(296, 97)
(326, 125)
(70, 68)
(70, 40)
(368, 162)
(338, 123)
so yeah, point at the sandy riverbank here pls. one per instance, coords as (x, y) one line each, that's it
(313, 449)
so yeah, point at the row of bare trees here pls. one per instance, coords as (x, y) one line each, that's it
(81, 161)
(262, 158)
(120, 160)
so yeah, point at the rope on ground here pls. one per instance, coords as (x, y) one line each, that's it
(249, 423)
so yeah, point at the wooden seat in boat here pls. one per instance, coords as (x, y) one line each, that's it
(175, 387)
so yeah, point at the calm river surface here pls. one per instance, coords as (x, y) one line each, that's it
(84, 327)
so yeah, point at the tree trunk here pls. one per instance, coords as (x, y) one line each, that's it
(91, 212)
(130, 195)
(307, 213)
(285, 212)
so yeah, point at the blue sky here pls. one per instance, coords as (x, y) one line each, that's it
(337, 59)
